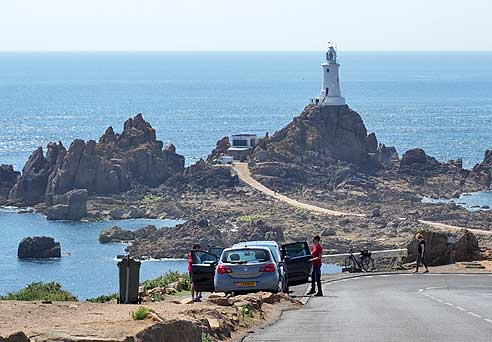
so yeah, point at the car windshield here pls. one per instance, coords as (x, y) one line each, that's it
(243, 256)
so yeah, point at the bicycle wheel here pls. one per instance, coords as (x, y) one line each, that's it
(349, 264)
(367, 264)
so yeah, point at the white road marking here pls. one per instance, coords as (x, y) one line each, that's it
(450, 304)
(460, 308)
(369, 276)
(473, 314)
(488, 320)
(421, 290)
(387, 275)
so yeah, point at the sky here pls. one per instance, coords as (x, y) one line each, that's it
(245, 25)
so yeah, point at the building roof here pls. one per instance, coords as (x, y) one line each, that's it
(244, 135)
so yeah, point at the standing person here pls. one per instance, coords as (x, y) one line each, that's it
(421, 253)
(198, 297)
(316, 255)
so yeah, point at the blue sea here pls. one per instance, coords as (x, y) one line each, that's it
(441, 102)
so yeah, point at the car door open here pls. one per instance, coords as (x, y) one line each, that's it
(296, 260)
(203, 270)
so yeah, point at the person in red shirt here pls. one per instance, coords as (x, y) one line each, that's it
(316, 255)
(190, 263)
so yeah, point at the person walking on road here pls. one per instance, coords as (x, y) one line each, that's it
(421, 253)
(198, 297)
(316, 255)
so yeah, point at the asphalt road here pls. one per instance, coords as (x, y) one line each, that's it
(400, 307)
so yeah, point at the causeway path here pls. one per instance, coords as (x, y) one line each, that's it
(243, 172)
(400, 307)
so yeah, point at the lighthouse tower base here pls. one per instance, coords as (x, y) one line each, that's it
(329, 101)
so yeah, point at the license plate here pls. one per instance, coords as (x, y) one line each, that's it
(246, 283)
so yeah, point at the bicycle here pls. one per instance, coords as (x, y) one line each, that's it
(364, 263)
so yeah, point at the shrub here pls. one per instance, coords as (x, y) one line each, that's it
(103, 298)
(41, 291)
(169, 278)
(140, 314)
(206, 338)
(251, 218)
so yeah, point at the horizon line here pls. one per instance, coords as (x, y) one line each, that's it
(240, 51)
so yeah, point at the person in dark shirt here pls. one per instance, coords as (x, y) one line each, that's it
(421, 253)
(198, 296)
(316, 255)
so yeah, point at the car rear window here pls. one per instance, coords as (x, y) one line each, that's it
(241, 256)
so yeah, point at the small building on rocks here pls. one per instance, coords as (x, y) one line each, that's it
(242, 145)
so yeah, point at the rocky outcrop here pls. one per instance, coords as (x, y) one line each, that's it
(204, 175)
(69, 206)
(258, 230)
(416, 162)
(31, 186)
(220, 149)
(107, 167)
(480, 177)
(175, 242)
(117, 234)
(322, 135)
(38, 247)
(8, 178)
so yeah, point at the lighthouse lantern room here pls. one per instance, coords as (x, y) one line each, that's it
(330, 88)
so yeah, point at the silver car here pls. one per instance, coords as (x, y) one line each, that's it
(252, 266)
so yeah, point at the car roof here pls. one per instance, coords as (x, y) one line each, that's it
(256, 243)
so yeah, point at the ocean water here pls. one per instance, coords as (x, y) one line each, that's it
(87, 268)
(472, 201)
(441, 102)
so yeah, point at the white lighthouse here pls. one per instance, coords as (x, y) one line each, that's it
(330, 88)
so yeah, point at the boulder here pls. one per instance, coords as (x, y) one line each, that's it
(372, 143)
(115, 234)
(172, 330)
(480, 177)
(465, 248)
(438, 251)
(15, 337)
(69, 206)
(38, 247)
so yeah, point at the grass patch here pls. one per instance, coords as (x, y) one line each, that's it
(206, 338)
(140, 314)
(151, 200)
(182, 279)
(103, 298)
(41, 291)
(251, 218)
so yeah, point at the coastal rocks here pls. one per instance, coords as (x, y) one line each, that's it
(8, 178)
(203, 175)
(416, 162)
(322, 135)
(117, 234)
(70, 206)
(220, 149)
(260, 231)
(175, 242)
(107, 167)
(38, 247)
(465, 247)
(31, 186)
(480, 177)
